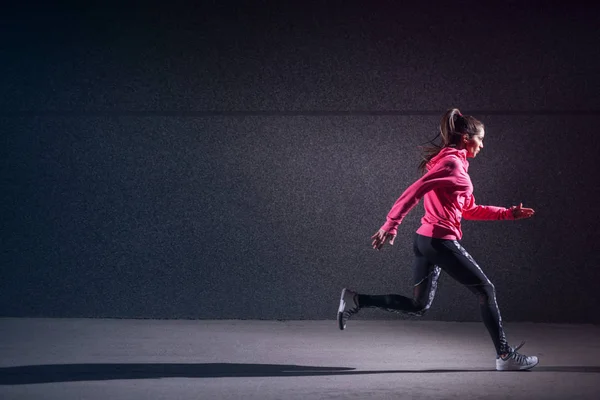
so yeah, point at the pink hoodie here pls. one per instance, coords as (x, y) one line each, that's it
(448, 196)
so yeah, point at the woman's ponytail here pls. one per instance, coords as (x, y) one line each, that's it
(452, 126)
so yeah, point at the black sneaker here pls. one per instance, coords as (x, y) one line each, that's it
(348, 307)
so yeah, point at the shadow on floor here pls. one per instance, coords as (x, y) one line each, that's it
(29, 374)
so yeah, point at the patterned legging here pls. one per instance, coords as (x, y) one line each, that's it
(432, 256)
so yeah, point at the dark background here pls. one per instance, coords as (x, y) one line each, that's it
(232, 159)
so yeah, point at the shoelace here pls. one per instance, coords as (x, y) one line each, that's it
(520, 358)
(353, 310)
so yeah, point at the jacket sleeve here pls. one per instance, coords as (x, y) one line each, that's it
(444, 174)
(473, 211)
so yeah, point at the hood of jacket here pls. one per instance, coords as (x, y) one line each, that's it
(449, 152)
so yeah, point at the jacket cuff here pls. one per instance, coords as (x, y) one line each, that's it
(390, 227)
(508, 214)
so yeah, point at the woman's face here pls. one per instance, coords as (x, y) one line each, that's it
(475, 144)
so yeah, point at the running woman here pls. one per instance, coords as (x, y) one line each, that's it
(448, 197)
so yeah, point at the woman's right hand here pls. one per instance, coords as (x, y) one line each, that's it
(380, 237)
(520, 212)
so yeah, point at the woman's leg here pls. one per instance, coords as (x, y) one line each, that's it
(458, 263)
(425, 278)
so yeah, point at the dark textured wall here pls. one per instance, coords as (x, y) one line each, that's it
(232, 161)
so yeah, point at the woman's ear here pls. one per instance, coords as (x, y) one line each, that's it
(465, 138)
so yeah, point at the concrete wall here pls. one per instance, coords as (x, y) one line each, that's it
(233, 160)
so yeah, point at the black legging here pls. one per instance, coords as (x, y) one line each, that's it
(432, 256)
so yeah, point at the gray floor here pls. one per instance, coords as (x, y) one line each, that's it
(183, 359)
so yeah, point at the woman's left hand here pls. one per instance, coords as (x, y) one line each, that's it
(380, 237)
(519, 212)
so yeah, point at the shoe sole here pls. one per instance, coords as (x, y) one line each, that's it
(340, 314)
(520, 369)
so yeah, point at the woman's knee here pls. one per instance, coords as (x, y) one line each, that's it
(420, 308)
(486, 292)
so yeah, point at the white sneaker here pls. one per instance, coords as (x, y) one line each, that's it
(514, 361)
(348, 307)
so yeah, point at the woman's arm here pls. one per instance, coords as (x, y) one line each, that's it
(445, 174)
(473, 211)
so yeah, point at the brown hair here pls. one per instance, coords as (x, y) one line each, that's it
(453, 126)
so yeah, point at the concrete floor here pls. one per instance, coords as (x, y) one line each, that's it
(184, 359)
